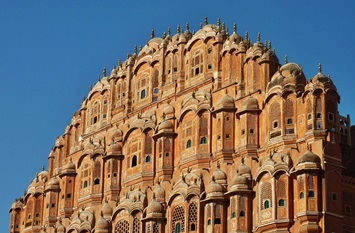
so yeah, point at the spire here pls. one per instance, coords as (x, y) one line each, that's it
(164, 35)
(104, 72)
(152, 34)
(218, 22)
(169, 31)
(135, 49)
(269, 45)
(235, 28)
(286, 60)
(178, 29)
(246, 36)
(319, 68)
(42, 167)
(206, 21)
(258, 38)
(187, 27)
(140, 47)
(200, 25)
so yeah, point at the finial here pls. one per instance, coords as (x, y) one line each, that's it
(99, 78)
(42, 167)
(206, 21)
(152, 34)
(246, 36)
(223, 26)
(258, 38)
(235, 28)
(119, 62)
(319, 68)
(286, 60)
(104, 72)
(168, 31)
(242, 159)
(164, 35)
(269, 45)
(218, 22)
(310, 147)
(178, 29)
(200, 25)
(90, 87)
(140, 47)
(187, 27)
(135, 49)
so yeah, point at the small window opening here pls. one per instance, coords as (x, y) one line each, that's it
(114, 174)
(156, 90)
(234, 215)
(217, 221)
(209, 222)
(167, 154)
(97, 181)
(193, 227)
(331, 116)
(134, 161)
(68, 195)
(53, 205)
(275, 124)
(243, 131)
(281, 202)
(197, 71)
(209, 66)
(175, 69)
(266, 204)
(242, 214)
(85, 184)
(147, 159)
(143, 94)
(95, 119)
(289, 121)
(334, 197)
(203, 140)
(309, 117)
(188, 143)
(301, 195)
(319, 115)
(251, 131)
(311, 194)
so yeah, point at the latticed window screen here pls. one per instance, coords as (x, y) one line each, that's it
(178, 217)
(122, 227)
(136, 225)
(156, 228)
(192, 217)
(266, 194)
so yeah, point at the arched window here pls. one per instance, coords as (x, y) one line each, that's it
(97, 181)
(188, 143)
(178, 228)
(309, 117)
(266, 204)
(281, 202)
(85, 184)
(147, 159)
(143, 95)
(319, 115)
(203, 140)
(289, 121)
(134, 161)
(209, 222)
(242, 214)
(301, 195)
(311, 194)
(234, 215)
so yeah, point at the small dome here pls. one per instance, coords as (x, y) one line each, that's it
(219, 175)
(309, 157)
(155, 208)
(114, 148)
(226, 101)
(214, 189)
(60, 227)
(54, 181)
(159, 192)
(235, 38)
(117, 134)
(289, 75)
(169, 111)
(69, 166)
(251, 104)
(107, 210)
(166, 126)
(182, 38)
(102, 224)
(244, 169)
(239, 179)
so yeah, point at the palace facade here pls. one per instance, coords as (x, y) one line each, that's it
(199, 132)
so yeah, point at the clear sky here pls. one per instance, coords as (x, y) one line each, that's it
(51, 51)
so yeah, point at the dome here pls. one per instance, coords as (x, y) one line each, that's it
(166, 126)
(251, 104)
(106, 210)
(219, 175)
(70, 165)
(159, 192)
(235, 38)
(244, 169)
(309, 157)
(54, 181)
(169, 111)
(117, 134)
(101, 224)
(155, 208)
(60, 227)
(320, 77)
(239, 179)
(214, 189)
(114, 148)
(289, 75)
(226, 101)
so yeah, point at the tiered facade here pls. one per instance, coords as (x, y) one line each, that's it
(198, 132)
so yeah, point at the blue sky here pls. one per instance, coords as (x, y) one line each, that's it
(51, 51)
